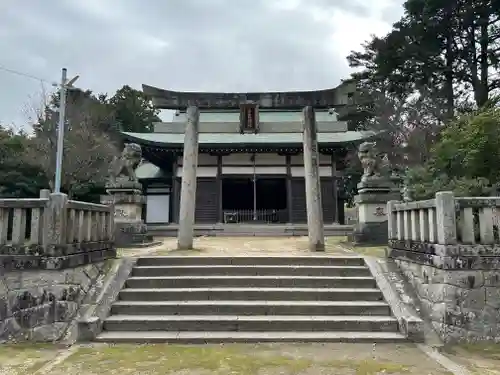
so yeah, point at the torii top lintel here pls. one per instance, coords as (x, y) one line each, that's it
(321, 99)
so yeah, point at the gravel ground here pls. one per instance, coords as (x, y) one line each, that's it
(240, 246)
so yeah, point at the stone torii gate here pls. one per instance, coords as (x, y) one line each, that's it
(307, 100)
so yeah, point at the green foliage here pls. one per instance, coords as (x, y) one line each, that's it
(27, 163)
(353, 172)
(470, 146)
(426, 80)
(134, 112)
(18, 177)
(88, 147)
(464, 161)
(424, 184)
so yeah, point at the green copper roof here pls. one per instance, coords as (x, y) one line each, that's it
(169, 139)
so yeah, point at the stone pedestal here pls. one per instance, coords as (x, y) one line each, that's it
(371, 204)
(127, 198)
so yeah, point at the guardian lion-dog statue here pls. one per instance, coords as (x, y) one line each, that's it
(372, 163)
(123, 166)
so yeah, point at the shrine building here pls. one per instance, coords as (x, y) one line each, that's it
(250, 160)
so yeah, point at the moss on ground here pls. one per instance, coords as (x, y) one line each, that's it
(171, 359)
(212, 359)
(369, 367)
(25, 358)
(479, 358)
(209, 359)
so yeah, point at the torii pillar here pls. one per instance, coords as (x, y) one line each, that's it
(188, 188)
(312, 180)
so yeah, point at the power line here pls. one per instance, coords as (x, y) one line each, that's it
(27, 75)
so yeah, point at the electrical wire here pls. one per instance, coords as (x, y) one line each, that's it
(27, 75)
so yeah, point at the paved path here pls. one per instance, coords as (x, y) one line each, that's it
(240, 246)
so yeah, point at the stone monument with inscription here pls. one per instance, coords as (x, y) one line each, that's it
(125, 193)
(374, 191)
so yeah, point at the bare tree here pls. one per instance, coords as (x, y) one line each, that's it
(410, 124)
(88, 149)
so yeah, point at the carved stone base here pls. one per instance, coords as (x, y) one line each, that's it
(369, 234)
(123, 185)
(132, 235)
(128, 204)
(371, 204)
(376, 185)
(130, 230)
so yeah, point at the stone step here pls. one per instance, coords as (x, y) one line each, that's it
(247, 337)
(268, 294)
(250, 270)
(250, 323)
(252, 281)
(250, 308)
(252, 260)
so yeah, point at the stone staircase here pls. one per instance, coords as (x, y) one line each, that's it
(250, 299)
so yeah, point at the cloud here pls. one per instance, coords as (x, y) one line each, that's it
(212, 45)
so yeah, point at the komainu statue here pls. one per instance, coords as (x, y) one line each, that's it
(373, 165)
(123, 166)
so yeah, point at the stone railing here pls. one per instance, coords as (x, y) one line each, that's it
(444, 220)
(449, 250)
(53, 232)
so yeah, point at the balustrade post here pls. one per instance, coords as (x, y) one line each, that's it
(44, 193)
(111, 223)
(392, 228)
(55, 223)
(446, 218)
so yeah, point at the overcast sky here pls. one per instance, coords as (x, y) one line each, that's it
(204, 45)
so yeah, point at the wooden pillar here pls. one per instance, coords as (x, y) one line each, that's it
(313, 186)
(335, 191)
(289, 196)
(219, 189)
(185, 233)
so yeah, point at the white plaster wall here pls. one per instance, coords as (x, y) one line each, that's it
(200, 172)
(157, 208)
(203, 159)
(299, 159)
(323, 171)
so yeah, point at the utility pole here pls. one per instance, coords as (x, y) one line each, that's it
(63, 88)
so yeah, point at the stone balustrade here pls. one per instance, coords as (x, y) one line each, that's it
(449, 250)
(53, 232)
(445, 220)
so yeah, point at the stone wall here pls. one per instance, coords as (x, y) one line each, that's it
(449, 250)
(462, 305)
(39, 305)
